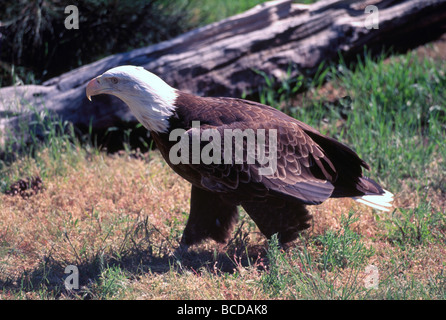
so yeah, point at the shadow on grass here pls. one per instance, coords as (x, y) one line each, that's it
(48, 279)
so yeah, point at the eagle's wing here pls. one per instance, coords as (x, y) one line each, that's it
(301, 170)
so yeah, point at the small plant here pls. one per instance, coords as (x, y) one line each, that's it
(112, 281)
(279, 95)
(343, 247)
(417, 226)
(274, 281)
(297, 275)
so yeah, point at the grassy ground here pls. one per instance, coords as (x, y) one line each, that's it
(119, 217)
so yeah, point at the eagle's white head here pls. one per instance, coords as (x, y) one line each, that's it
(150, 99)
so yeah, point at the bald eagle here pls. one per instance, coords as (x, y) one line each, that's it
(277, 167)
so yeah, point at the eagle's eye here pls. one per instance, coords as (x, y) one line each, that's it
(114, 80)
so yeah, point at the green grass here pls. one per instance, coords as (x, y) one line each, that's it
(297, 275)
(119, 217)
(43, 137)
(208, 11)
(401, 104)
(416, 226)
(393, 114)
(342, 247)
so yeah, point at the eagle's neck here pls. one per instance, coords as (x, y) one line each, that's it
(153, 105)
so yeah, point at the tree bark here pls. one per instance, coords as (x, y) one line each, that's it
(221, 59)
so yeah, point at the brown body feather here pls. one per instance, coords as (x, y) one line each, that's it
(310, 169)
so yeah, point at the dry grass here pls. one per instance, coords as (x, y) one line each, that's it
(127, 213)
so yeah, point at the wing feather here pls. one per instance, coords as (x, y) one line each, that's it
(303, 170)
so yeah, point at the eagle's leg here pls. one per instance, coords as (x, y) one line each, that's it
(273, 216)
(210, 217)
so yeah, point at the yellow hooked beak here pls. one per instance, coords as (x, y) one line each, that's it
(94, 87)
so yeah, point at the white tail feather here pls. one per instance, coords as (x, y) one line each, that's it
(381, 202)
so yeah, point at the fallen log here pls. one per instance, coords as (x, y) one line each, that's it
(221, 59)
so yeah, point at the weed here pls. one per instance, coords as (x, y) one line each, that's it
(111, 283)
(342, 247)
(415, 226)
